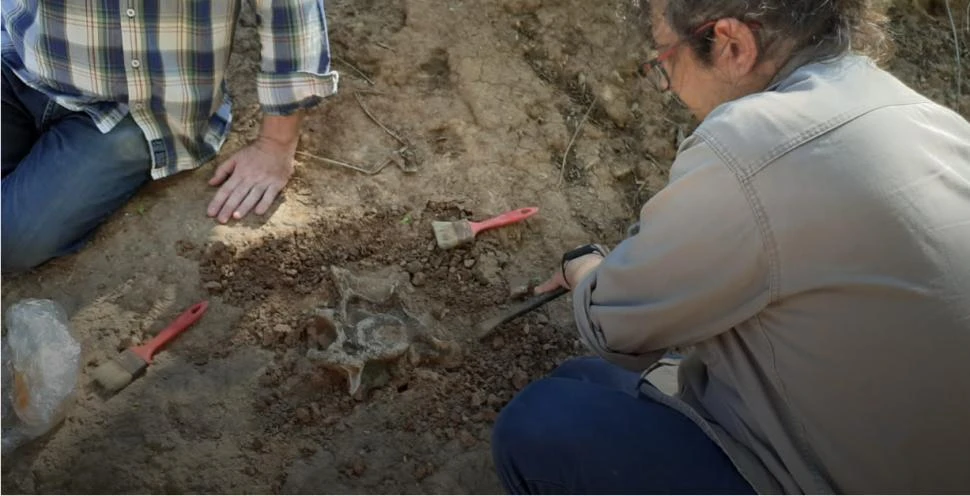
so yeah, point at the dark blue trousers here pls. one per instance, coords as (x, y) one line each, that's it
(587, 430)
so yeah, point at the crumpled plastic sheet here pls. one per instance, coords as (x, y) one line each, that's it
(41, 365)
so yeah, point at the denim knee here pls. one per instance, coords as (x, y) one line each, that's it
(522, 425)
(26, 247)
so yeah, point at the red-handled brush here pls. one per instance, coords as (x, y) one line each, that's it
(452, 234)
(131, 364)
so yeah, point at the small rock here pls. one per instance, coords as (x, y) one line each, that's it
(357, 467)
(522, 6)
(469, 263)
(422, 471)
(621, 171)
(414, 267)
(282, 329)
(498, 343)
(519, 379)
(477, 399)
(213, 286)
(431, 246)
(541, 318)
(519, 291)
(493, 400)
(418, 279)
(487, 270)
(303, 415)
(466, 439)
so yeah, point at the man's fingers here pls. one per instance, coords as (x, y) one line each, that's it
(248, 202)
(268, 197)
(235, 198)
(222, 172)
(547, 286)
(221, 196)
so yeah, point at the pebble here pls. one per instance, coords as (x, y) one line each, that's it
(213, 286)
(498, 343)
(477, 399)
(422, 471)
(469, 263)
(358, 467)
(520, 379)
(466, 439)
(519, 291)
(542, 318)
(303, 415)
(493, 400)
(419, 279)
(414, 267)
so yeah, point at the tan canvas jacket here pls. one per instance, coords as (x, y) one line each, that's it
(813, 245)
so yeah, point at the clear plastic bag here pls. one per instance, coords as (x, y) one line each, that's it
(41, 364)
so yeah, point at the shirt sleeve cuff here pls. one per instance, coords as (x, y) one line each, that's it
(284, 94)
(592, 335)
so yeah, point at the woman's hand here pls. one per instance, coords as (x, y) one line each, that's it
(575, 271)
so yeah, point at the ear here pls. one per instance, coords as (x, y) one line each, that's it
(735, 47)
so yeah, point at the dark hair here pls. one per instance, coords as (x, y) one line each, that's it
(819, 29)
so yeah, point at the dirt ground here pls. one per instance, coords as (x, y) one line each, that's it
(483, 98)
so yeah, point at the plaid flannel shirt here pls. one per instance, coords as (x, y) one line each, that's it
(164, 62)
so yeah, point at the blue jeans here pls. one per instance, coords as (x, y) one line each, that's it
(61, 176)
(586, 430)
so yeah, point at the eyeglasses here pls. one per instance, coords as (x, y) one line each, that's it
(654, 71)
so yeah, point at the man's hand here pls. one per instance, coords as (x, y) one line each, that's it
(576, 271)
(253, 176)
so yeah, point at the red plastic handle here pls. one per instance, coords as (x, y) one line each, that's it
(181, 323)
(505, 219)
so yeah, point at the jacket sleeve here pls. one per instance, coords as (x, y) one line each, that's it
(696, 268)
(295, 68)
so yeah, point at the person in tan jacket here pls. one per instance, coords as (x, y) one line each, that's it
(811, 251)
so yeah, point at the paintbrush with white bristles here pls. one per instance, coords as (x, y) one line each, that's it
(452, 234)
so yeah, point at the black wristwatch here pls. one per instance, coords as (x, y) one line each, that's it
(579, 252)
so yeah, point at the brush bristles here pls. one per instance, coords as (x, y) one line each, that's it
(118, 373)
(111, 376)
(451, 234)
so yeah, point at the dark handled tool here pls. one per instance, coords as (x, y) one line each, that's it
(487, 327)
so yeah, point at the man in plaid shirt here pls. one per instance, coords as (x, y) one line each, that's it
(99, 97)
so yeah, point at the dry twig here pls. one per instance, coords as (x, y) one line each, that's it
(369, 114)
(565, 155)
(370, 172)
(956, 45)
(355, 69)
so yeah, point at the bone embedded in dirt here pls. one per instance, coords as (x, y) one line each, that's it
(374, 324)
